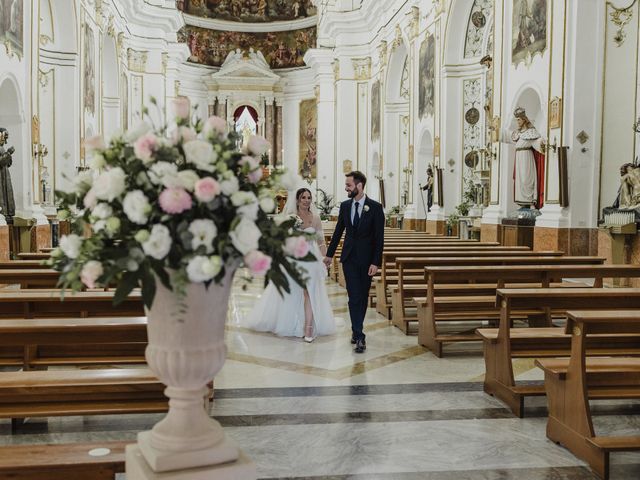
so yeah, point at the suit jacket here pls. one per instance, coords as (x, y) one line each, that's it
(366, 242)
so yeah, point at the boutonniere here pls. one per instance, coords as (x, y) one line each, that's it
(366, 208)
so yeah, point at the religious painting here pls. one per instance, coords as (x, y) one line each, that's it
(375, 110)
(11, 25)
(307, 166)
(252, 11)
(427, 78)
(89, 71)
(529, 32)
(280, 49)
(555, 112)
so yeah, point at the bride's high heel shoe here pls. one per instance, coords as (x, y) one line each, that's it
(308, 334)
(309, 339)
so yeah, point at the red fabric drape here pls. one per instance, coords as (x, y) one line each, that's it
(540, 172)
(239, 110)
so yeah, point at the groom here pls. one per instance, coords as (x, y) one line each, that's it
(361, 255)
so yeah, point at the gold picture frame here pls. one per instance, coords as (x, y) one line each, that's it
(555, 112)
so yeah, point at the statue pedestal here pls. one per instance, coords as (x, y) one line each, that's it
(517, 232)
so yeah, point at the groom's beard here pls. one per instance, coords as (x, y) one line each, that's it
(353, 193)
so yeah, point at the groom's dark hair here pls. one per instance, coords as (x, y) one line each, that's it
(358, 177)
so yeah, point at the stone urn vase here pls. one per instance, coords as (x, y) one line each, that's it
(186, 350)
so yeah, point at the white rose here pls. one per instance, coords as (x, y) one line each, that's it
(267, 204)
(245, 236)
(290, 180)
(90, 273)
(70, 245)
(201, 154)
(258, 145)
(110, 184)
(102, 211)
(243, 198)
(136, 207)
(94, 143)
(97, 161)
(183, 134)
(230, 186)
(137, 131)
(247, 204)
(159, 242)
(181, 107)
(163, 173)
(188, 179)
(202, 269)
(281, 218)
(204, 232)
(215, 126)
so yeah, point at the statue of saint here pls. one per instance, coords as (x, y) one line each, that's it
(629, 196)
(528, 171)
(7, 203)
(428, 187)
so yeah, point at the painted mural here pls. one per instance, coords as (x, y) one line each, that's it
(253, 11)
(89, 73)
(529, 35)
(11, 25)
(427, 78)
(280, 49)
(307, 165)
(375, 110)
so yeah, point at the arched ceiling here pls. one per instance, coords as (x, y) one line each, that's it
(249, 11)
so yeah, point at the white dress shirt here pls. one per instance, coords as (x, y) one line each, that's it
(360, 207)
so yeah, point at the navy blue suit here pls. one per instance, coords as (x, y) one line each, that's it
(362, 247)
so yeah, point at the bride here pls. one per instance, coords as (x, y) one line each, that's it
(304, 312)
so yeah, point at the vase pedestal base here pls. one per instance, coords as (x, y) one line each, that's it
(137, 468)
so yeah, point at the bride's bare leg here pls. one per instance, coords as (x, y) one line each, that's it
(308, 317)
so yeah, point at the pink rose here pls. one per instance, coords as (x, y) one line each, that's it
(94, 143)
(175, 200)
(258, 145)
(215, 126)
(255, 175)
(297, 247)
(206, 189)
(257, 262)
(184, 134)
(90, 200)
(91, 271)
(145, 146)
(181, 107)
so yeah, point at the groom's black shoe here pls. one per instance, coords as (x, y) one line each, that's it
(353, 340)
(361, 346)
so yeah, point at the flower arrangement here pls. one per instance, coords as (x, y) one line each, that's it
(180, 208)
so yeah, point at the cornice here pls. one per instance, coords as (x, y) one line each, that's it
(151, 20)
(227, 26)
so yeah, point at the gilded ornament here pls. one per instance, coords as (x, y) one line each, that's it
(620, 17)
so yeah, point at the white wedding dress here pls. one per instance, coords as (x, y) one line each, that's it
(284, 314)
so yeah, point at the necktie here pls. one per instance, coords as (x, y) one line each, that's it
(356, 217)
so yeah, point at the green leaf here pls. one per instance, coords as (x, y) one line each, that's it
(129, 282)
(148, 287)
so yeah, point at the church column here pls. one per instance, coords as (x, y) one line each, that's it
(321, 62)
(270, 128)
(279, 155)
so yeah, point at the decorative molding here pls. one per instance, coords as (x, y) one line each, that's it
(382, 53)
(164, 59)
(361, 68)
(414, 23)
(479, 17)
(620, 17)
(336, 69)
(397, 40)
(137, 60)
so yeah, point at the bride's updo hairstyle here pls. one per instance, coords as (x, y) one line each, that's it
(299, 194)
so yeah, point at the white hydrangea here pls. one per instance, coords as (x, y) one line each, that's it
(161, 173)
(201, 154)
(203, 269)
(204, 231)
(102, 211)
(110, 184)
(230, 186)
(70, 245)
(267, 204)
(188, 179)
(247, 204)
(159, 242)
(138, 130)
(136, 207)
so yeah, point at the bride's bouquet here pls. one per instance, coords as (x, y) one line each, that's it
(179, 207)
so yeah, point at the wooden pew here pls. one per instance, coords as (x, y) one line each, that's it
(49, 393)
(505, 343)
(62, 461)
(30, 278)
(15, 264)
(570, 383)
(402, 295)
(38, 343)
(34, 256)
(485, 281)
(389, 274)
(48, 304)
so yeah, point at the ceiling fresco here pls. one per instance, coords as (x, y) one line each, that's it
(252, 11)
(280, 49)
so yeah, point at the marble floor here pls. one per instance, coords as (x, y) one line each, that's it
(320, 411)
